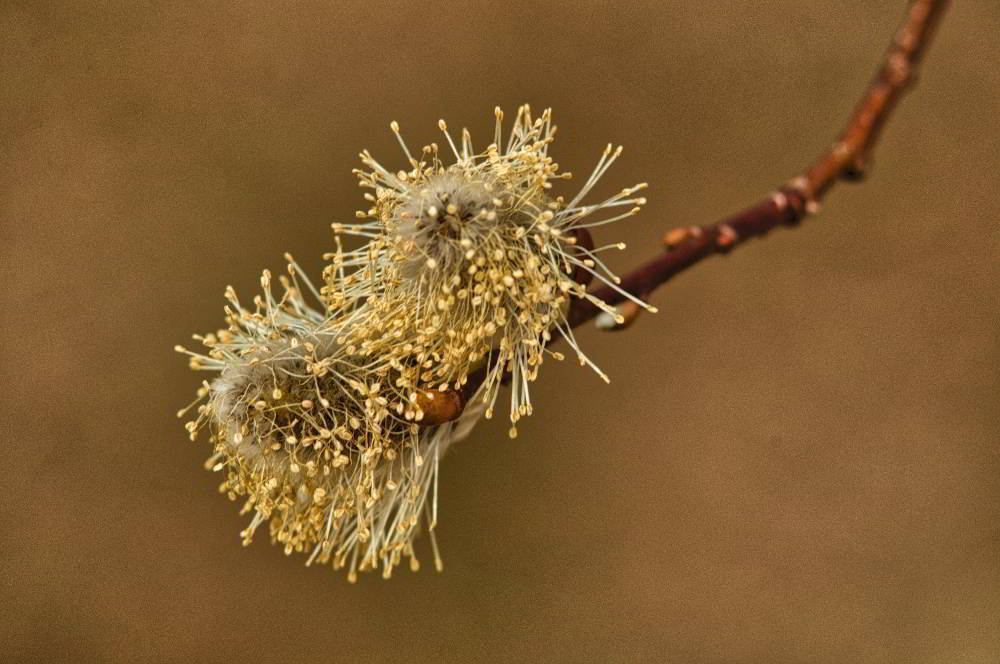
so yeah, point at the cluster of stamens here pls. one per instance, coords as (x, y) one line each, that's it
(318, 417)
(471, 266)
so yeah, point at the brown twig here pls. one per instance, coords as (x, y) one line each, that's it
(846, 160)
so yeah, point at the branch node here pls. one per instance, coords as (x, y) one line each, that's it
(800, 185)
(726, 238)
(898, 69)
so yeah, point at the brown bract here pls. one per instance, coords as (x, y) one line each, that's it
(440, 407)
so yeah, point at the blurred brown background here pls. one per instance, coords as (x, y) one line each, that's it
(797, 459)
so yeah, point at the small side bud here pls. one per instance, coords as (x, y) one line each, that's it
(439, 407)
(676, 236)
(727, 237)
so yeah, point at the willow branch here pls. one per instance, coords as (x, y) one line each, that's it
(847, 159)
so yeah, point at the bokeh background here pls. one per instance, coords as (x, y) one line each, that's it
(798, 459)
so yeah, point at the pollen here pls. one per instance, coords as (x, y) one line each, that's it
(332, 405)
(482, 230)
(320, 456)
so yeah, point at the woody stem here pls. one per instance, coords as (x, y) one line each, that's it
(846, 159)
